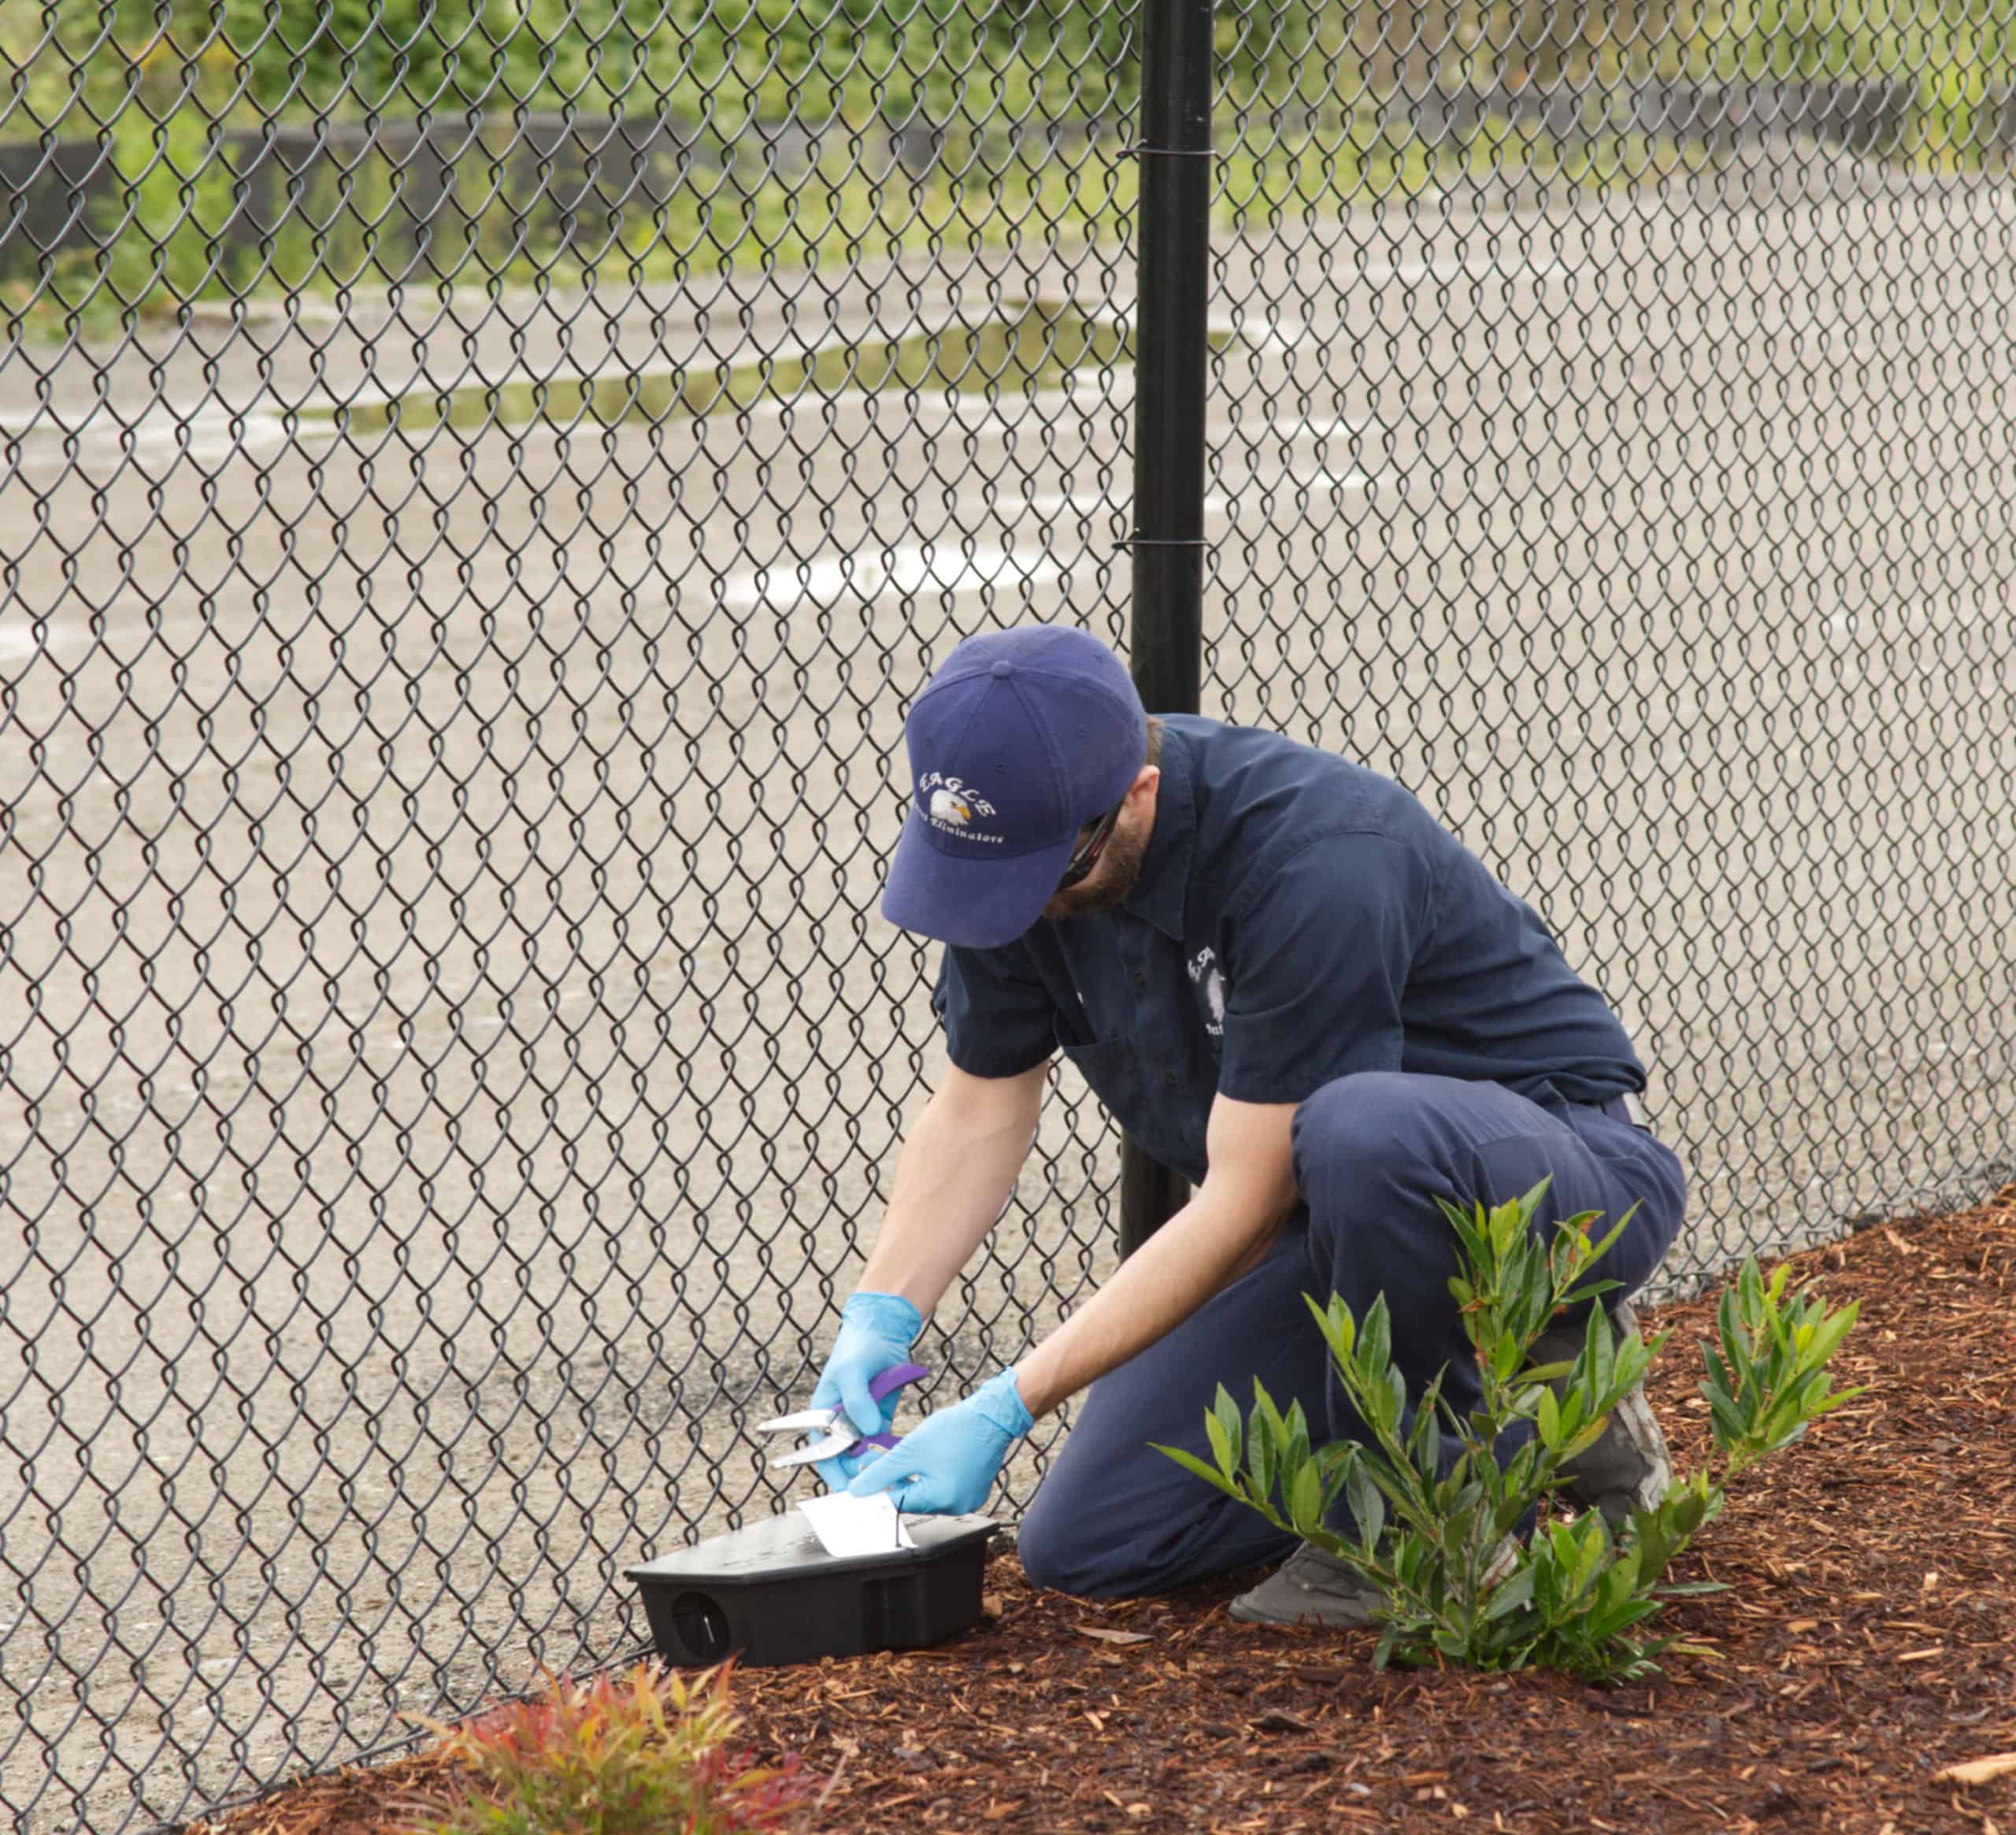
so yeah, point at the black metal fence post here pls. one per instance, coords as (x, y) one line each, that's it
(1170, 359)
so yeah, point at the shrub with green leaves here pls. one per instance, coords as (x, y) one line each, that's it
(1434, 1512)
(643, 1757)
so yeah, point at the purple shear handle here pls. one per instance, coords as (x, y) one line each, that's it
(890, 1379)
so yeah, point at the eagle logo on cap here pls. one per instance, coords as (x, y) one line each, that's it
(952, 805)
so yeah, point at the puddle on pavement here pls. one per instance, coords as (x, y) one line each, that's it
(1035, 346)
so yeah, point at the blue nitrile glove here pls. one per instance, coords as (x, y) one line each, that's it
(876, 1331)
(946, 1465)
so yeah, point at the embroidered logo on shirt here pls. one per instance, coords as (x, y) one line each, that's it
(1210, 982)
(951, 806)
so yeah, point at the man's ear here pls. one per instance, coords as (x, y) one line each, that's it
(1141, 792)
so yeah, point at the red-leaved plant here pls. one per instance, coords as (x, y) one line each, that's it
(649, 1755)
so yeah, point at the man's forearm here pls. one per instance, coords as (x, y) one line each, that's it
(955, 1171)
(1220, 1234)
(1153, 1292)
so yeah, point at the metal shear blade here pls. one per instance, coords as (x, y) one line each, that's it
(832, 1447)
(837, 1433)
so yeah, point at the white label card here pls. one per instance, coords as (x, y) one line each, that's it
(857, 1525)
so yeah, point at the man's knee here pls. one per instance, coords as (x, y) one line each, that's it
(1060, 1547)
(1357, 1135)
(1083, 1548)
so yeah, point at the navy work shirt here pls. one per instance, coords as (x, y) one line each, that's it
(1297, 918)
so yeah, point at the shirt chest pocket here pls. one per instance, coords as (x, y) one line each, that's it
(1112, 1068)
(1152, 1101)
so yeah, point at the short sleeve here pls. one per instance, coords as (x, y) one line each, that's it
(1316, 961)
(998, 1018)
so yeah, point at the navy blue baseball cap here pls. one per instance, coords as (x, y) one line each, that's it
(1021, 739)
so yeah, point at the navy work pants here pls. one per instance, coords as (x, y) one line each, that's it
(1372, 1152)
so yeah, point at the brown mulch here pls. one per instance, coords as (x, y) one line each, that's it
(1865, 1644)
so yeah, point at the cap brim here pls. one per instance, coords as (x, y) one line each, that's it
(975, 903)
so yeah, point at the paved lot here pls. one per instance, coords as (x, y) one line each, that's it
(451, 1051)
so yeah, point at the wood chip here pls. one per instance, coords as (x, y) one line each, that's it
(1977, 1771)
(1803, 1717)
(1277, 1721)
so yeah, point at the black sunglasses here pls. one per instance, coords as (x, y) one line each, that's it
(1087, 854)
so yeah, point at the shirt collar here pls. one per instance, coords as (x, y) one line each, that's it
(1159, 894)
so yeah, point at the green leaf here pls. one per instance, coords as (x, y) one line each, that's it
(1334, 1322)
(1226, 1411)
(1598, 1250)
(1190, 1462)
(1302, 1491)
(1222, 1451)
(1596, 1348)
(1749, 1291)
(1297, 1428)
(1368, 1508)
(1826, 1336)
(1547, 1420)
(1510, 1594)
(1584, 1439)
(1375, 1347)
(1395, 1402)
(1834, 1401)
(1262, 1441)
(1428, 1459)
(1730, 1427)
(1264, 1410)
(1735, 1341)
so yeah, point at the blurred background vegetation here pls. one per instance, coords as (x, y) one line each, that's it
(782, 125)
(729, 61)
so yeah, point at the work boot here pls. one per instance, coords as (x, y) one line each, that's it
(1310, 1587)
(1629, 1467)
(1314, 1587)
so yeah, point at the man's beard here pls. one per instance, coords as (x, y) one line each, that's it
(1106, 887)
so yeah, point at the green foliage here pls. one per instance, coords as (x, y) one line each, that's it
(641, 1758)
(1767, 1378)
(165, 229)
(1436, 1535)
(1301, 132)
(723, 60)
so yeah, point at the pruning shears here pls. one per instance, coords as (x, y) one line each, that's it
(837, 1432)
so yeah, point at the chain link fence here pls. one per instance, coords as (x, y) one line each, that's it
(480, 481)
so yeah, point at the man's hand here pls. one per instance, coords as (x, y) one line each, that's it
(946, 1465)
(876, 1332)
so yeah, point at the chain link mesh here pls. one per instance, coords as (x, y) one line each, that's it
(480, 482)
